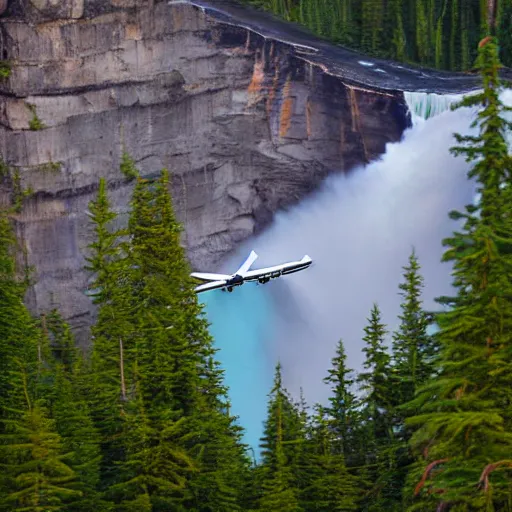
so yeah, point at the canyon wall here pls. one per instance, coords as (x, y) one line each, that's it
(246, 123)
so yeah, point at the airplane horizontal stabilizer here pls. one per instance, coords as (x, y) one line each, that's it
(204, 276)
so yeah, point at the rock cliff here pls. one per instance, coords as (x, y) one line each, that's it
(247, 121)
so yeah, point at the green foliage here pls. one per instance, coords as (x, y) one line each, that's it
(39, 479)
(113, 332)
(35, 123)
(154, 473)
(12, 178)
(413, 364)
(330, 486)
(279, 490)
(128, 167)
(68, 400)
(159, 403)
(50, 167)
(4, 169)
(418, 31)
(463, 419)
(342, 411)
(375, 382)
(17, 331)
(5, 69)
(376, 415)
(413, 349)
(18, 193)
(291, 423)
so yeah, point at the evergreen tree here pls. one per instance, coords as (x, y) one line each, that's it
(440, 33)
(19, 340)
(376, 415)
(464, 424)
(18, 336)
(278, 489)
(178, 446)
(413, 349)
(504, 31)
(112, 333)
(331, 486)
(168, 314)
(70, 409)
(178, 353)
(153, 476)
(219, 451)
(38, 478)
(292, 426)
(375, 384)
(412, 365)
(342, 411)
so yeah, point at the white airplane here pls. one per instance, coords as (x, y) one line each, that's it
(243, 274)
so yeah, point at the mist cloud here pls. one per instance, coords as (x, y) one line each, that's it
(359, 230)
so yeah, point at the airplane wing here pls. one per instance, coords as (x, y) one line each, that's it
(210, 286)
(204, 276)
(278, 270)
(246, 265)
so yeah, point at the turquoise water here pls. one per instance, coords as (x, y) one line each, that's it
(241, 324)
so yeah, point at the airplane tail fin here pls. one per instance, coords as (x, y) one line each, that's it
(246, 265)
(306, 259)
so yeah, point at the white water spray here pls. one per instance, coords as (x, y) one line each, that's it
(359, 229)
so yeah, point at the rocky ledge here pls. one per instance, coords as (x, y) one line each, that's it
(247, 120)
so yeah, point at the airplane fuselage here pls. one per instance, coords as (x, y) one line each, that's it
(236, 280)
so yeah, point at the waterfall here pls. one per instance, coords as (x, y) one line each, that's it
(424, 105)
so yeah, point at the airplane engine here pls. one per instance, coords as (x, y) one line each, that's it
(264, 280)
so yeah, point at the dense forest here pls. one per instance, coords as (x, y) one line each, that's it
(435, 33)
(142, 421)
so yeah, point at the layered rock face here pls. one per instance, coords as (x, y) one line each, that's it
(246, 124)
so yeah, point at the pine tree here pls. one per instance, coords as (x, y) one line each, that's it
(19, 340)
(441, 33)
(413, 349)
(112, 333)
(374, 382)
(291, 424)
(69, 407)
(331, 487)
(278, 489)
(342, 412)
(412, 365)
(465, 422)
(376, 414)
(504, 31)
(17, 329)
(38, 478)
(166, 305)
(219, 451)
(153, 476)
(177, 393)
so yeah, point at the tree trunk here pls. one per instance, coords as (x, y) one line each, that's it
(491, 15)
